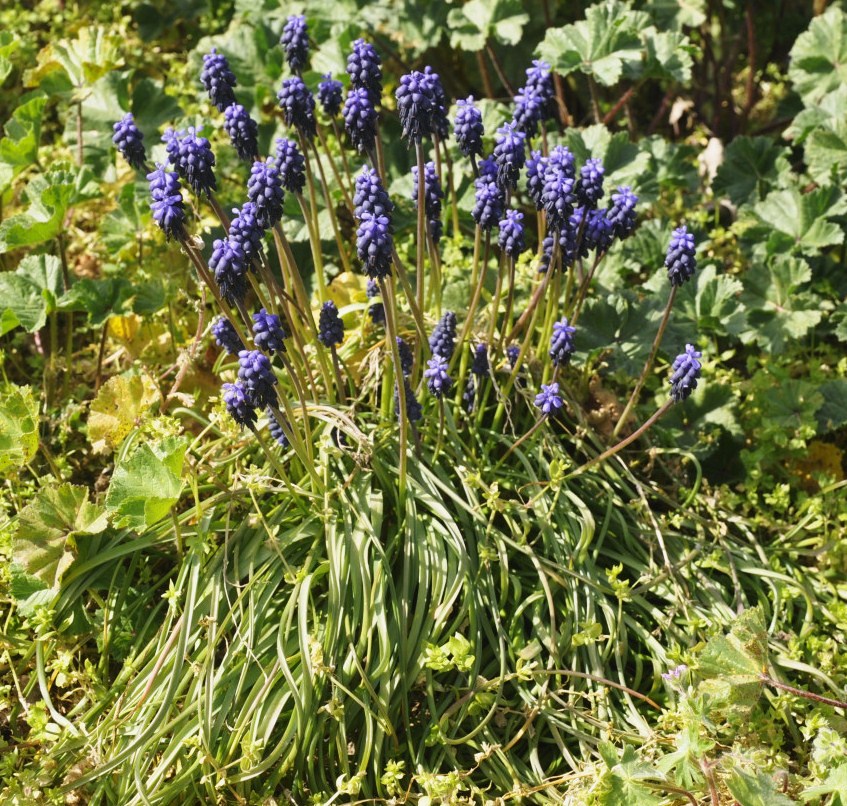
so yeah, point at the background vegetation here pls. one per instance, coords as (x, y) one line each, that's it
(179, 626)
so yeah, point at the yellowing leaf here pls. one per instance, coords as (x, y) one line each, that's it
(18, 427)
(45, 542)
(119, 405)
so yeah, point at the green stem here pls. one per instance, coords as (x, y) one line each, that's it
(648, 364)
(623, 443)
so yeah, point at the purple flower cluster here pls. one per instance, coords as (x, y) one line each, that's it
(561, 342)
(416, 105)
(193, 159)
(228, 264)
(360, 120)
(129, 141)
(680, 261)
(433, 194)
(468, 128)
(329, 95)
(226, 336)
(330, 325)
(364, 69)
(291, 165)
(243, 132)
(255, 372)
(295, 42)
(509, 155)
(166, 203)
(442, 342)
(264, 189)
(511, 239)
(218, 80)
(297, 105)
(685, 373)
(268, 332)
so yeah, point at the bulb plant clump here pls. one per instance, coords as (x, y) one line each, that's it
(510, 347)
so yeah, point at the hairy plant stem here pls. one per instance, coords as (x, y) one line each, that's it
(494, 307)
(583, 289)
(648, 364)
(769, 681)
(219, 211)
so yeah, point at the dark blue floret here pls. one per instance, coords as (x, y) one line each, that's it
(440, 122)
(529, 110)
(258, 377)
(295, 42)
(469, 395)
(129, 141)
(330, 325)
(414, 410)
(363, 67)
(242, 131)
(268, 332)
(166, 203)
(193, 159)
(276, 429)
(229, 266)
(442, 342)
(416, 105)
(536, 165)
(686, 372)
(218, 80)
(539, 80)
(681, 262)
(226, 337)
(513, 353)
(548, 399)
(246, 231)
(509, 155)
(480, 365)
(561, 343)
(598, 233)
(433, 194)
(360, 120)
(297, 105)
(621, 212)
(370, 196)
(374, 245)
(488, 169)
(589, 188)
(407, 359)
(329, 95)
(559, 192)
(377, 310)
(437, 380)
(468, 128)
(264, 189)
(291, 164)
(238, 403)
(489, 205)
(511, 239)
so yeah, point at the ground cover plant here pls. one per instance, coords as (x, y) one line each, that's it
(436, 408)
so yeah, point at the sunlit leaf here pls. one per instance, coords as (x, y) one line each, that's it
(146, 485)
(30, 293)
(119, 405)
(819, 56)
(18, 427)
(19, 148)
(44, 544)
(602, 45)
(756, 790)
(477, 21)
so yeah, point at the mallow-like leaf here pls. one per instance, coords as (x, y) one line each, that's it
(30, 293)
(18, 427)
(477, 21)
(819, 56)
(145, 486)
(119, 404)
(602, 45)
(49, 527)
(750, 169)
